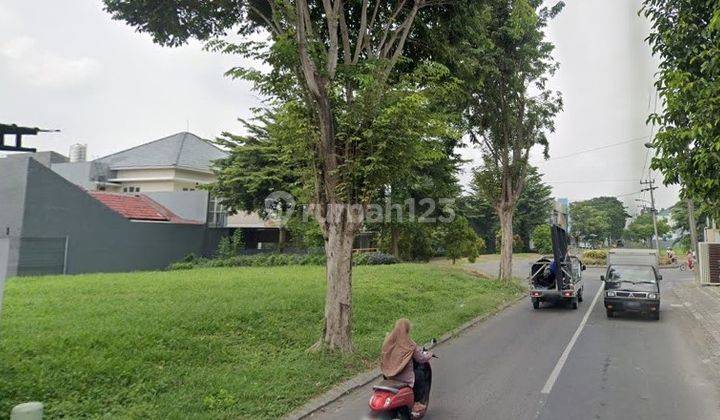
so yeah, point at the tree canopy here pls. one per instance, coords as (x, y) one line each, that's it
(642, 229)
(686, 37)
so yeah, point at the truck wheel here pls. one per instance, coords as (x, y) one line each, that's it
(609, 313)
(536, 304)
(655, 316)
(574, 303)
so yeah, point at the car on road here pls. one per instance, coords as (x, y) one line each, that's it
(632, 288)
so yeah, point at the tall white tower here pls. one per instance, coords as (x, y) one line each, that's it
(78, 152)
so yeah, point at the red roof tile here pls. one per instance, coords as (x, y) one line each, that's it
(138, 207)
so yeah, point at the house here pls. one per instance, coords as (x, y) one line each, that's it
(49, 225)
(180, 162)
(103, 215)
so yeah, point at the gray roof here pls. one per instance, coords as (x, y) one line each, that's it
(184, 150)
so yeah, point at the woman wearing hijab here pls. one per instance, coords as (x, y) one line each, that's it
(398, 352)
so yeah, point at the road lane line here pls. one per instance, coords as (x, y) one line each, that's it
(563, 358)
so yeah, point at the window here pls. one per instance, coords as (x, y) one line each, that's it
(217, 213)
(131, 189)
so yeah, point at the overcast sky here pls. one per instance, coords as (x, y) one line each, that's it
(65, 64)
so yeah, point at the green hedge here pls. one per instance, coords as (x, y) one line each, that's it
(275, 260)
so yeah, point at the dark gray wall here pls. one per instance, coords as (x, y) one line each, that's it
(100, 240)
(13, 179)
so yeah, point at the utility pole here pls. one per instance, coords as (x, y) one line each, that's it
(650, 183)
(693, 226)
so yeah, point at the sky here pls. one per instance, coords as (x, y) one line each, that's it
(65, 64)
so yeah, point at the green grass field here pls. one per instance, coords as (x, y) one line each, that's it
(209, 343)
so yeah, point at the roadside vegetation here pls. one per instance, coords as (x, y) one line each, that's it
(210, 343)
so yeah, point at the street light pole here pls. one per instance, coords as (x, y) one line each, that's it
(650, 183)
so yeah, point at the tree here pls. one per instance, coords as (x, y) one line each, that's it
(589, 224)
(542, 239)
(642, 229)
(497, 49)
(681, 221)
(604, 223)
(460, 240)
(333, 77)
(533, 209)
(686, 37)
(616, 214)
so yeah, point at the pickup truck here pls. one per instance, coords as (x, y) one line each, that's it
(546, 285)
(632, 283)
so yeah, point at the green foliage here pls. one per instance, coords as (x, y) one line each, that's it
(415, 242)
(460, 240)
(642, 229)
(225, 248)
(276, 260)
(616, 215)
(238, 242)
(542, 239)
(681, 221)
(375, 258)
(533, 209)
(589, 223)
(182, 265)
(211, 343)
(685, 36)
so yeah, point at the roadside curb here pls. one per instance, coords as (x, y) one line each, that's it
(365, 378)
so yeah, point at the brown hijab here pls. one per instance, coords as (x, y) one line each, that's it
(397, 349)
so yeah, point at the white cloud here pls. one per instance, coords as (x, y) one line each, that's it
(43, 68)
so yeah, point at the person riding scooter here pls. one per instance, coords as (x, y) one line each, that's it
(398, 353)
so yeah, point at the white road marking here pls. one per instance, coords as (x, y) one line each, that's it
(563, 358)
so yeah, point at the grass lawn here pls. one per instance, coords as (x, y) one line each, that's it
(209, 343)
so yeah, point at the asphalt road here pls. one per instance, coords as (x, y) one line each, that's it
(621, 368)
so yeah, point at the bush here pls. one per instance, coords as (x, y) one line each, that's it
(374, 258)
(595, 257)
(225, 248)
(276, 260)
(183, 265)
(595, 254)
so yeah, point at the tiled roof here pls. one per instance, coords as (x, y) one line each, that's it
(185, 150)
(138, 207)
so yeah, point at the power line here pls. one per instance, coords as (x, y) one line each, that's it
(594, 181)
(607, 146)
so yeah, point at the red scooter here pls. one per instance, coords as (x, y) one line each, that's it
(395, 400)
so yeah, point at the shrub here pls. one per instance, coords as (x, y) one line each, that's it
(238, 242)
(374, 258)
(183, 265)
(225, 248)
(595, 254)
(595, 257)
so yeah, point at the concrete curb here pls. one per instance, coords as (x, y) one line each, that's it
(365, 378)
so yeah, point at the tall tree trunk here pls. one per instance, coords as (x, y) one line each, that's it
(505, 214)
(340, 223)
(394, 241)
